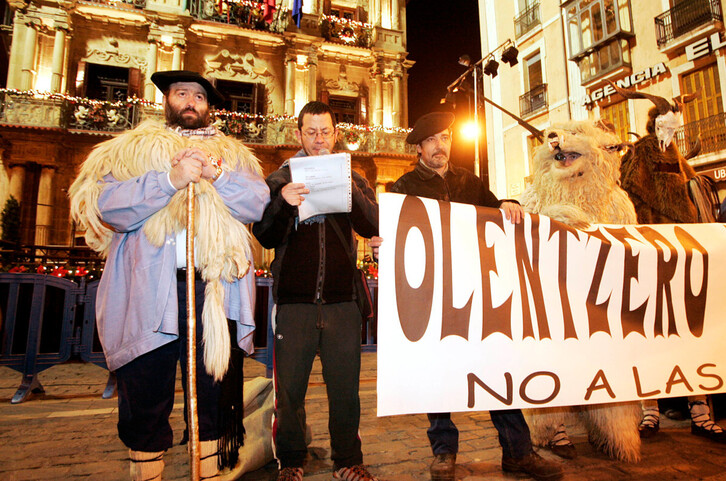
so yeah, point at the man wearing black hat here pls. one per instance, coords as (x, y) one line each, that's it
(130, 196)
(435, 177)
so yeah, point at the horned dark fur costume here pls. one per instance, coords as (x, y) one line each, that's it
(654, 173)
(222, 243)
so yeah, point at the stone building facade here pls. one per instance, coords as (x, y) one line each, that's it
(78, 72)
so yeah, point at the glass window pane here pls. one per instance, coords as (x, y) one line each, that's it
(575, 43)
(624, 13)
(586, 29)
(610, 18)
(597, 27)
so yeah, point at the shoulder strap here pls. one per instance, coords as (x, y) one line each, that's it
(337, 230)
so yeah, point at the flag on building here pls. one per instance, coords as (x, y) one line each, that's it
(297, 11)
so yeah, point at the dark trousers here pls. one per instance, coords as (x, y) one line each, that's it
(510, 424)
(146, 388)
(333, 330)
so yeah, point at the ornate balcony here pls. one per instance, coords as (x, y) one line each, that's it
(250, 14)
(348, 32)
(533, 101)
(79, 115)
(711, 130)
(684, 18)
(118, 3)
(527, 20)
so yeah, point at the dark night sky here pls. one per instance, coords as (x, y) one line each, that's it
(438, 34)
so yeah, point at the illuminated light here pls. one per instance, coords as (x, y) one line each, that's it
(301, 60)
(470, 130)
(167, 40)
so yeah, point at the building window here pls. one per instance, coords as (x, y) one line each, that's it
(704, 117)
(593, 23)
(535, 97)
(106, 82)
(345, 109)
(532, 144)
(242, 97)
(708, 102)
(617, 114)
(528, 17)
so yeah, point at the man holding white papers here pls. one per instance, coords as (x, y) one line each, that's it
(316, 312)
(436, 178)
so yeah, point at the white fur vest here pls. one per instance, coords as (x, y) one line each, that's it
(222, 243)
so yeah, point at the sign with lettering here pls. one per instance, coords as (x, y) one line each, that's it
(704, 46)
(626, 83)
(476, 313)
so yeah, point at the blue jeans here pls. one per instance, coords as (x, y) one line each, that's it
(510, 424)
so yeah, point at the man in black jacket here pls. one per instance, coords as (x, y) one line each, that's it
(436, 178)
(314, 293)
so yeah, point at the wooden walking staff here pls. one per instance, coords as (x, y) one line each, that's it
(192, 419)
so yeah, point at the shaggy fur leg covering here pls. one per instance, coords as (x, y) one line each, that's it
(543, 423)
(209, 456)
(613, 429)
(146, 466)
(701, 416)
(217, 344)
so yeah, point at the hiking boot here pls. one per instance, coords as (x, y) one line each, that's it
(534, 465)
(443, 467)
(290, 474)
(354, 473)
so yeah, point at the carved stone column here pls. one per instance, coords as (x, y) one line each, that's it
(151, 56)
(176, 56)
(290, 86)
(29, 46)
(377, 76)
(312, 74)
(44, 208)
(59, 50)
(16, 51)
(396, 100)
(17, 180)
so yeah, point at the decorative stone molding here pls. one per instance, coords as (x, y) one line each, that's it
(110, 57)
(341, 85)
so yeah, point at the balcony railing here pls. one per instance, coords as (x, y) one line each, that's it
(527, 20)
(252, 14)
(711, 130)
(533, 101)
(348, 32)
(119, 3)
(685, 17)
(58, 111)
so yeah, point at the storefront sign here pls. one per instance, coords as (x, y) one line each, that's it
(718, 174)
(704, 46)
(626, 83)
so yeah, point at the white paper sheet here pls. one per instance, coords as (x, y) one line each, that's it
(329, 180)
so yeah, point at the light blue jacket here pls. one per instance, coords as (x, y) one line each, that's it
(136, 306)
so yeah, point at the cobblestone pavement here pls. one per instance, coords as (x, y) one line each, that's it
(69, 433)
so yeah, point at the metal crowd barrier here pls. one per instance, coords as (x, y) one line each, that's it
(44, 320)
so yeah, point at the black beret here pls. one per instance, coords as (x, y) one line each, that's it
(164, 79)
(428, 125)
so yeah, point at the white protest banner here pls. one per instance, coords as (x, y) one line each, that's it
(475, 313)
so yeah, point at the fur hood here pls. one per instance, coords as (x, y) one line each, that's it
(222, 242)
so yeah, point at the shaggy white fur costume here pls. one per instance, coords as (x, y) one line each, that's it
(222, 243)
(578, 193)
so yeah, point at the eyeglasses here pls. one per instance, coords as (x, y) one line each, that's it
(312, 134)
